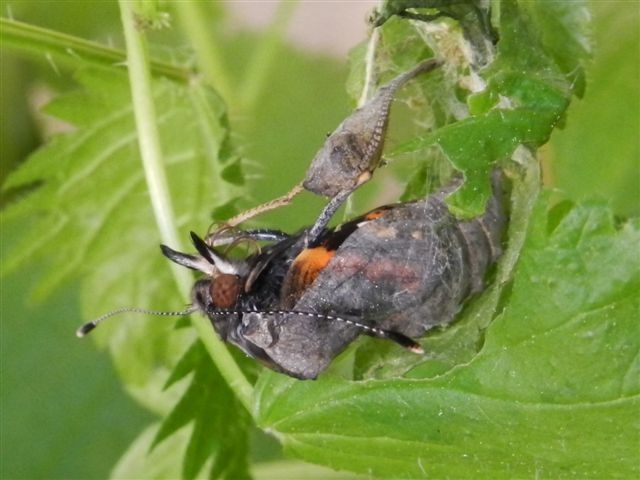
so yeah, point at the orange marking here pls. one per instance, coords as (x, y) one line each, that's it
(374, 215)
(303, 272)
(309, 263)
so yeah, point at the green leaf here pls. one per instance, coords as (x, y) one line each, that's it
(92, 206)
(70, 50)
(187, 364)
(220, 422)
(528, 88)
(554, 390)
(599, 153)
(297, 469)
(161, 462)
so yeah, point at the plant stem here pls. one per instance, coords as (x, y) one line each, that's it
(55, 46)
(209, 57)
(148, 136)
(369, 73)
(151, 154)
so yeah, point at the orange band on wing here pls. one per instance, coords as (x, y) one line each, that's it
(309, 263)
(303, 272)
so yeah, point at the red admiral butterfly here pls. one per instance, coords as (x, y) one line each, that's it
(393, 273)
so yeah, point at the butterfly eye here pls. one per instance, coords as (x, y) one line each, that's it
(225, 289)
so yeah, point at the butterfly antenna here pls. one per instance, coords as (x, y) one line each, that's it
(396, 337)
(89, 326)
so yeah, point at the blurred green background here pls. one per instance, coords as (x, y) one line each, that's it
(64, 414)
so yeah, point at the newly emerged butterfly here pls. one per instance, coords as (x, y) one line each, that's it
(393, 273)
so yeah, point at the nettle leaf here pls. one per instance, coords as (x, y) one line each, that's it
(91, 215)
(528, 88)
(554, 390)
(139, 462)
(599, 152)
(220, 422)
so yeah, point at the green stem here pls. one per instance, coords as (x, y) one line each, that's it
(209, 56)
(48, 44)
(151, 154)
(370, 60)
(146, 126)
(369, 73)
